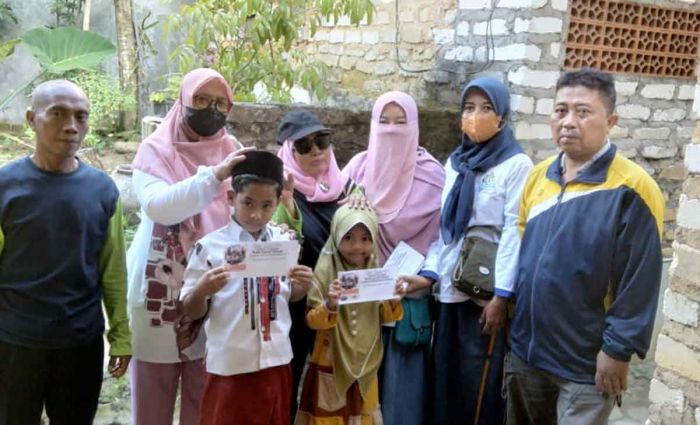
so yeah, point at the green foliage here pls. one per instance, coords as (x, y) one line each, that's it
(13, 145)
(27, 132)
(67, 12)
(250, 41)
(145, 44)
(61, 50)
(8, 47)
(130, 225)
(67, 48)
(170, 91)
(107, 100)
(6, 16)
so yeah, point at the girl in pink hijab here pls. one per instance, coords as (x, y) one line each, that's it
(179, 174)
(403, 183)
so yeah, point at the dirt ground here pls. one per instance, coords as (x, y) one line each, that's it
(114, 407)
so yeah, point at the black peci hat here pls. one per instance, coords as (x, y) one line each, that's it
(261, 164)
(297, 124)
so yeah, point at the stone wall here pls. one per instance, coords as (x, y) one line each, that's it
(364, 59)
(675, 390)
(655, 123)
(654, 144)
(255, 124)
(446, 40)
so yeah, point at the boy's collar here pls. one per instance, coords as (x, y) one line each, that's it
(265, 233)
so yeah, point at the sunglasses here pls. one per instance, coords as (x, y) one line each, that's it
(305, 144)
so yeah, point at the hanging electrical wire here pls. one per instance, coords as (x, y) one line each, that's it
(488, 60)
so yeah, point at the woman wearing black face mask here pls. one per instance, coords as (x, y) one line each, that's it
(178, 178)
(207, 115)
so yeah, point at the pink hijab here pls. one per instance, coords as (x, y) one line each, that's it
(402, 181)
(325, 188)
(174, 151)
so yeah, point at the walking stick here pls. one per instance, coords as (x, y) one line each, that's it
(484, 377)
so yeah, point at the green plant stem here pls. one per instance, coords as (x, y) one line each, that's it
(16, 140)
(5, 101)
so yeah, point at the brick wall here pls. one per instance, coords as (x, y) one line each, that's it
(675, 390)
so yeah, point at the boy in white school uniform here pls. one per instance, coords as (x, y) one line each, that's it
(248, 379)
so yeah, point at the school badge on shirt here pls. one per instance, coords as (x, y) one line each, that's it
(487, 184)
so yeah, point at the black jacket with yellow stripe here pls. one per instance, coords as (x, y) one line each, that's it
(590, 266)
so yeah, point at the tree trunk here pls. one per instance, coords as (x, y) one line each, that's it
(86, 15)
(128, 60)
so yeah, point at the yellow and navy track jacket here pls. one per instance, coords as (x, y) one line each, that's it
(589, 268)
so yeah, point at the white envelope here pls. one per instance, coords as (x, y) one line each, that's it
(260, 259)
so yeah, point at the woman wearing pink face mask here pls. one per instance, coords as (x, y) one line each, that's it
(402, 182)
(484, 179)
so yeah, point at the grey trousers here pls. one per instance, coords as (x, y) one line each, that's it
(536, 397)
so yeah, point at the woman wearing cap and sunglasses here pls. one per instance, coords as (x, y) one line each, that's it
(318, 187)
(179, 174)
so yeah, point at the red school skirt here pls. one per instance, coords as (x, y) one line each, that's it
(255, 398)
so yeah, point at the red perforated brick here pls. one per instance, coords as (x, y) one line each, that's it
(633, 38)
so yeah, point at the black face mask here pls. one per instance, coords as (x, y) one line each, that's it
(205, 122)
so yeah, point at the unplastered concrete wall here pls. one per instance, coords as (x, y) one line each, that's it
(675, 390)
(523, 44)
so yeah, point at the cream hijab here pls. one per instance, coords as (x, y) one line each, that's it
(354, 357)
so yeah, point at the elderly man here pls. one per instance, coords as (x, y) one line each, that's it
(589, 266)
(61, 254)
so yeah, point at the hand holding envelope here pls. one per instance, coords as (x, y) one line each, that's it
(359, 286)
(390, 282)
(261, 259)
(334, 292)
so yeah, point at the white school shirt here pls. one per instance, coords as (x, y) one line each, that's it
(235, 343)
(496, 202)
(166, 204)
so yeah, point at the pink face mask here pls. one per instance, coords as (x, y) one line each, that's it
(393, 133)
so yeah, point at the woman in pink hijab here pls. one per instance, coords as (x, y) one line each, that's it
(403, 183)
(179, 174)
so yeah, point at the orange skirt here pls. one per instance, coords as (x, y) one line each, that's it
(321, 404)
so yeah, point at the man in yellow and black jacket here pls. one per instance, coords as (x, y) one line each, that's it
(589, 266)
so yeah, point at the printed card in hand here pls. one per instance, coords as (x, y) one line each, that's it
(359, 286)
(261, 259)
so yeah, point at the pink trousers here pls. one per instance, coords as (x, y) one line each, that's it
(154, 390)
